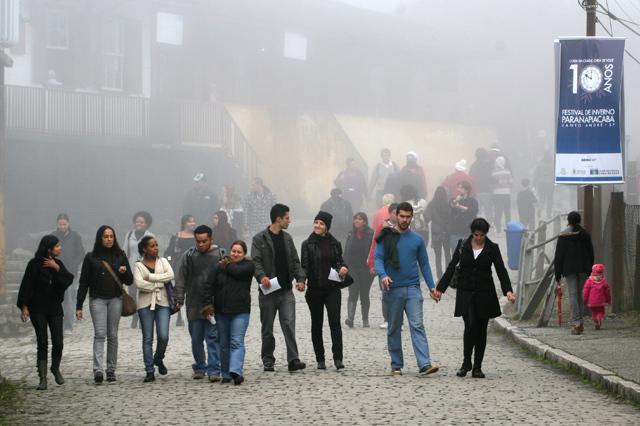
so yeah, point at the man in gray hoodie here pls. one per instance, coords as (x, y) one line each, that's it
(191, 280)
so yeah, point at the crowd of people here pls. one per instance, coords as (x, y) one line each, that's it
(210, 271)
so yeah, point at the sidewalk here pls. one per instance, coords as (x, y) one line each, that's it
(609, 357)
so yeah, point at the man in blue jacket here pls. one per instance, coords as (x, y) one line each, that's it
(400, 254)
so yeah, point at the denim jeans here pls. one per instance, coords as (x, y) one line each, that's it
(201, 330)
(148, 318)
(105, 314)
(575, 283)
(231, 331)
(407, 300)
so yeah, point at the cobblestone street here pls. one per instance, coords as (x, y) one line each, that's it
(517, 390)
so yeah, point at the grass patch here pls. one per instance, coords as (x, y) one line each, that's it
(11, 398)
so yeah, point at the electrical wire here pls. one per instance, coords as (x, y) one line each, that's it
(610, 20)
(636, 60)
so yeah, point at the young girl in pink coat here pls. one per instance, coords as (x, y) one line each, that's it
(596, 294)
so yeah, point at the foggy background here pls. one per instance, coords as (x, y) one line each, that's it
(114, 106)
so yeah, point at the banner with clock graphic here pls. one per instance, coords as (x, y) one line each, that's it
(589, 110)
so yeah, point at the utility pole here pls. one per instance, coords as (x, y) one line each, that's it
(5, 61)
(590, 196)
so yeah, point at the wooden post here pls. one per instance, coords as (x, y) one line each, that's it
(616, 268)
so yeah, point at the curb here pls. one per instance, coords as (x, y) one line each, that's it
(608, 379)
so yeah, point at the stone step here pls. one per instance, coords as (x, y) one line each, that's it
(15, 265)
(13, 276)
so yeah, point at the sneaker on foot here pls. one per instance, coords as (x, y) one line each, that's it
(349, 323)
(396, 371)
(237, 378)
(198, 375)
(339, 364)
(429, 369)
(150, 377)
(98, 377)
(225, 380)
(322, 365)
(214, 378)
(269, 367)
(162, 369)
(384, 325)
(111, 376)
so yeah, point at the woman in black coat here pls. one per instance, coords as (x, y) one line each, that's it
(40, 298)
(321, 253)
(476, 297)
(227, 293)
(356, 252)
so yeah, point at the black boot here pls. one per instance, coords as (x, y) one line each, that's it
(55, 369)
(42, 374)
(464, 369)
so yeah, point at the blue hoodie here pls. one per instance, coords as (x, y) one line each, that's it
(412, 252)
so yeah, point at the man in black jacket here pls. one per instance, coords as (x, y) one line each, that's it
(275, 256)
(573, 260)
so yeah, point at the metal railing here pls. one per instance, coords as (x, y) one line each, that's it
(535, 274)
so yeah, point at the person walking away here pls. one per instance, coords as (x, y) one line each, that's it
(381, 172)
(201, 201)
(572, 260)
(481, 171)
(223, 233)
(342, 213)
(501, 194)
(71, 255)
(141, 223)
(40, 299)
(596, 294)
(438, 213)
(356, 253)
(229, 288)
(353, 184)
(151, 274)
(179, 243)
(458, 175)
(321, 253)
(276, 259)
(527, 205)
(391, 224)
(476, 297)
(399, 257)
(419, 205)
(190, 288)
(257, 206)
(104, 270)
(464, 209)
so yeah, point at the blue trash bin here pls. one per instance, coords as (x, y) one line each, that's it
(515, 231)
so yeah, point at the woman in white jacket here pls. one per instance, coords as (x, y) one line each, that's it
(150, 274)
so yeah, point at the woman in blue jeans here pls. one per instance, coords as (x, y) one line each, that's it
(229, 283)
(150, 274)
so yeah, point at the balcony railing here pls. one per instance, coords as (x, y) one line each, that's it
(62, 112)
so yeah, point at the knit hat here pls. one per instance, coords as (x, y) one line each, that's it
(461, 165)
(412, 154)
(598, 268)
(324, 217)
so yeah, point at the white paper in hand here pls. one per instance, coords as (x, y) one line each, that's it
(334, 276)
(275, 285)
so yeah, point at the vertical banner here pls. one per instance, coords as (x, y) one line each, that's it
(589, 110)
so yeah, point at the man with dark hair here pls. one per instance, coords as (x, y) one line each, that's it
(191, 279)
(275, 257)
(342, 213)
(400, 256)
(573, 260)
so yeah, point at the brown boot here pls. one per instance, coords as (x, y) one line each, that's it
(576, 330)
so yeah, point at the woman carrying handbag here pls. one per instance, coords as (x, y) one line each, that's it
(151, 275)
(104, 270)
(326, 275)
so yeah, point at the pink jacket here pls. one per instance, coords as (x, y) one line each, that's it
(596, 294)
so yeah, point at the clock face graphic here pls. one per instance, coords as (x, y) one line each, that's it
(591, 78)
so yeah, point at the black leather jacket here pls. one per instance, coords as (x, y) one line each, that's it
(311, 259)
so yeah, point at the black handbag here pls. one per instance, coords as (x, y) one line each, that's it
(171, 298)
(456, 272)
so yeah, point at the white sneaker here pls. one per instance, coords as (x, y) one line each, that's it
(384, 325)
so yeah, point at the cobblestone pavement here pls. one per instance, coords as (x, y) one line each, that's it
(517, 390)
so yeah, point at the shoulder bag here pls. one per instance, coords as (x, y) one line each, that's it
(171, 297)
(129, 306)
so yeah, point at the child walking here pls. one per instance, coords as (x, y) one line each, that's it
(596, 294)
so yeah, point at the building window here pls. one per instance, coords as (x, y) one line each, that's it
(57, 30)
(113, 55)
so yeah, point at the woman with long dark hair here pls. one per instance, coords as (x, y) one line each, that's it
(150, 275)
(228, 288)
(40, 298)
(476, 298)
(223, 234)
(101, 270)
(438, 212)
(179, 243)
(320, 253)
(356, 253)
